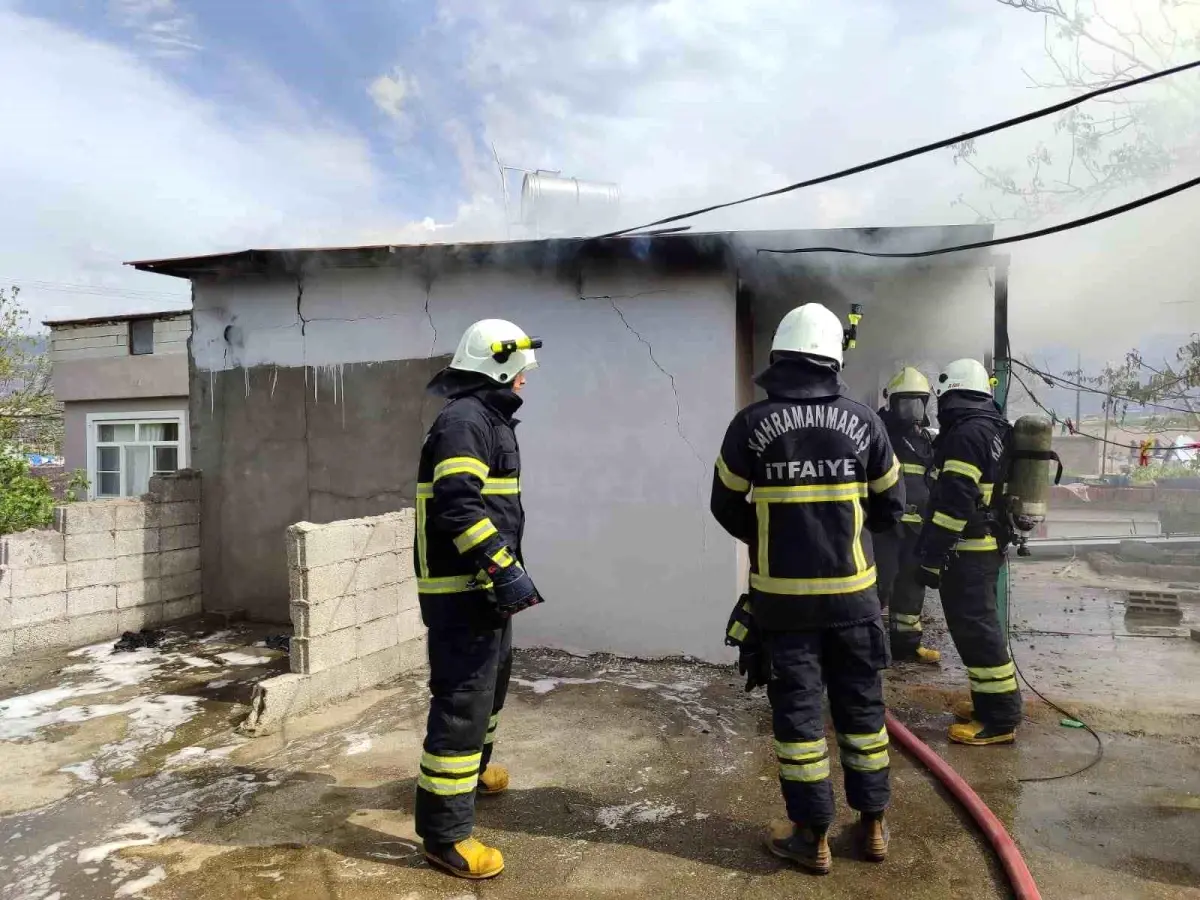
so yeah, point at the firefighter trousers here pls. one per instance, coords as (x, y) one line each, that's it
(847, 663)
(469, 670)
(899, 594)
(969, 600)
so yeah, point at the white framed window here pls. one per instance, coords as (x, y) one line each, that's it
(126, 449)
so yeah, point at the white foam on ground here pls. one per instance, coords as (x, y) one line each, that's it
(358, 743)
(235, 658)
(197, 662)
(643, 812)
(84, 771)
(133, 888)
(197, 755)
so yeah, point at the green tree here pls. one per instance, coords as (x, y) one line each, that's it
(30, 418)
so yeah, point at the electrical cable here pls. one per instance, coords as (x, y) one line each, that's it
(917, 151)
(1040, 405)
(1012, 238)
(1065, 382)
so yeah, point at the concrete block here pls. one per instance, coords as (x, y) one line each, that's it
(139, 593)
(6, 644)
(1196, 635)
(93, 629)
(85, 518)
(5, 613)
(85, 573)
(33, 638)
(377, 604)
(176, 587)
(182, 487)
(323, 618)
(407, 596)
(89, 600)
(136, 542)
(139, 617)
(322, 584)
(38, 581)
(179, 562)
(284, 697)
(29, 549)
(34, 610)
(136, 568)
(93, 545)
(5, 584)
(316, 654)
(310, 546)
(377, 635)
(409, 626)
(179, 537)
(414, 655)
(132, 515)
(406, 530)
(183, 609)
(377, 571)
(171, 515)
(378, 668)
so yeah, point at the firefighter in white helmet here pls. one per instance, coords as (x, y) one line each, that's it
(962, 544)
(471, 581)
(817, 469)
(905, 416)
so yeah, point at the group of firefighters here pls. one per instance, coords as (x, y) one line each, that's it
(849, 515)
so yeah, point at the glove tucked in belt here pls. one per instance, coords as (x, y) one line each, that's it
(742, 632)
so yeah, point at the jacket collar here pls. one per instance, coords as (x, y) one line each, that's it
(958, 406)
(797, 377)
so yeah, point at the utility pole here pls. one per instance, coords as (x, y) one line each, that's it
(1078, 387)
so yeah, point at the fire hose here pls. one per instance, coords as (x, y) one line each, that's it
(1002, 843)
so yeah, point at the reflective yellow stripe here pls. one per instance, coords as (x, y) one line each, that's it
(460, 465)
(807, 773)
(811, 586)
(932, 569)
(730, 480)
(448, 787)
(987, 490)
(911, 517)
(502, 558)
(493, 721)
(965, 469)
(860, 557)
(867, 743)
(904, 622)
(451, 765)
(800, 751)
(949, 522)
(422, 541)
(1006, 686)
(452, 584)
(887, 480)
(912, 468)
(738, 631)
(983, 674)
(475, 535)
(865, 762)
(810, 493)
(490, 737)
(502, 486)
(973, 544)
(763, 512)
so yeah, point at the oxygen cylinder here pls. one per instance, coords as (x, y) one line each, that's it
(1029, 475)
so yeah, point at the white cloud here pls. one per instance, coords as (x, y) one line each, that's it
(390, 91)
(106, 161)
(161, 24)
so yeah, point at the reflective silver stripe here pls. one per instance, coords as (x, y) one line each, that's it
(805, 772)
(810, 586)
(963, 468)
(452, 584)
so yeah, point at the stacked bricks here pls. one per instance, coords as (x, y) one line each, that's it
(108, 566)
(355, 614)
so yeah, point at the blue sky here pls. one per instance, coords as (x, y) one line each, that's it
(150, 128)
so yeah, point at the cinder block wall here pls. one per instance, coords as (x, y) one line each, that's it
(108, 566)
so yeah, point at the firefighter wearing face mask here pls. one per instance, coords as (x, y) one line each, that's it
(962, 545)
(799, 478)
(902, 598)
(471, 580)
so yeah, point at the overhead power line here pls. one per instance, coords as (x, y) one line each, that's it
(918, 151)
(1011, 239)
(98, 290)
(1059, 381)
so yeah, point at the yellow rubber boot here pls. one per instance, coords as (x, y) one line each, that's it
(493, 780)
(929, 656)
(466, 859)
(963, 709)
(976, 734)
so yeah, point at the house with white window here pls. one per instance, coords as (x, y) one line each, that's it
(123, 382)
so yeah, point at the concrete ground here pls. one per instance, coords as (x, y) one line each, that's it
(121, 775)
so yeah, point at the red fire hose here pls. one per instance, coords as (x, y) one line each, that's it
(1010, 857)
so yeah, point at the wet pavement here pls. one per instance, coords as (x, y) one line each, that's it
(122, 776)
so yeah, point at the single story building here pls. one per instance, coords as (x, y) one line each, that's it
(307, 399)
(123, 383)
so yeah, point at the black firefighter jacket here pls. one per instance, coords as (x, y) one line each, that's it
(800, 476)
(968, 460)
(914, 451)
(468, 493)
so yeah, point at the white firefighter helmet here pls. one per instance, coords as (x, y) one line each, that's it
(495, 348)
(907, 381)
(964, 375)
(811, 329)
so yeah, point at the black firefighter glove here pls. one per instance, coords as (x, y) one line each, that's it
(742, 632)
(928, 576)
(511, 584)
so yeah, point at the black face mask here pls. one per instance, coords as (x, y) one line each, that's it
(908, 409)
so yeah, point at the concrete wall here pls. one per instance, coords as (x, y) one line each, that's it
(307, 404)
(75, 413)
(93, 362)
(108, 566)
(354, 611)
